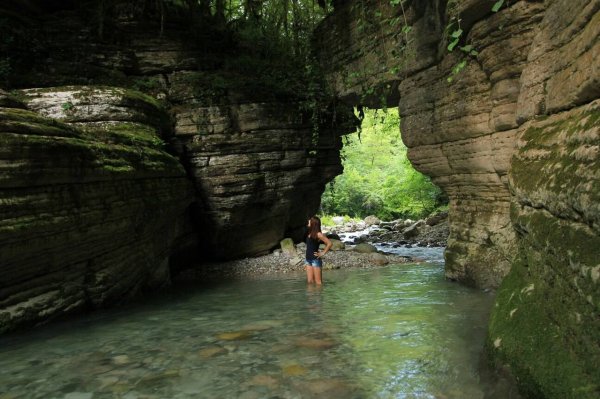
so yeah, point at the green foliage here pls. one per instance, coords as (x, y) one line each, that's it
(67, 106)
(455, 35)
(378, 178)
(497, 5)
(327, 220)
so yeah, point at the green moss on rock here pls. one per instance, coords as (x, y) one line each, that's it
(15, 120)
(126, 133)
(543, 325)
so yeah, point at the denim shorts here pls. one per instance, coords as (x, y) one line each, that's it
(314, 263)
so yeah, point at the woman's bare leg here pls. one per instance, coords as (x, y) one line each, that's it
(317, 273)
(310, 278)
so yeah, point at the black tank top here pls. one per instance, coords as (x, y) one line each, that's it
(312, 246)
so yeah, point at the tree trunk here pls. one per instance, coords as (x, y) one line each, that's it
(296, 26)
(220, 11)
(205, 8)
(252, 9)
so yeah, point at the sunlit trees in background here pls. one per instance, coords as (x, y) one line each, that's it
(378, 178)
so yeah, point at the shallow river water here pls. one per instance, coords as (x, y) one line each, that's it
(396, 332)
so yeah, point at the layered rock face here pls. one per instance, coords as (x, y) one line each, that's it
(461, 133)
(260, 170)
(514, 141)
(258, 164)
(91, 210)
(106, 190)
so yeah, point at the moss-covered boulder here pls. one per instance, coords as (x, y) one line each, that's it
(545, 324)
(90, 212)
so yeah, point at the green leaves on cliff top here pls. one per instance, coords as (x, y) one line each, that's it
(497, 5)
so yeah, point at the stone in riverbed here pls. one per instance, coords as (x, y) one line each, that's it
(295, 261)
(121, 360)
(264, 380)
(211, 351)
(287, 247)
(314, 343)
(294, 370)
(337, 245)
(328, 388)
(435, 219)
(262, 325)
(372, 220)
(365, 248)
(234, 335)
(411, 231)
(379, 259)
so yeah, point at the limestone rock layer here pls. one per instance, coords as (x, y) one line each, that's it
(90, 213)
(507, 124)
(131, 154)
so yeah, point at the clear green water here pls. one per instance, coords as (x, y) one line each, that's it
(396, 332)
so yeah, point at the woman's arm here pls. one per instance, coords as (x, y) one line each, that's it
(327, 242)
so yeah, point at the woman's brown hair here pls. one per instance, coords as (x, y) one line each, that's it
(315, 227)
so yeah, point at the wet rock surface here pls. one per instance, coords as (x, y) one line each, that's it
(513, 141)
(122, 162)
(91, 212)
(430, 232)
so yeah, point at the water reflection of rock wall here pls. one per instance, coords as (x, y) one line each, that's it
(514, 142)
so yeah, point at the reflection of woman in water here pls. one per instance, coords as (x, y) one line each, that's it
(314, 264)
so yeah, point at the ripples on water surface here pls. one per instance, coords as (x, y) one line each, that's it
(396, 332)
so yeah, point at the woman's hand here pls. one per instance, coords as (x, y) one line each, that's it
(328, 245)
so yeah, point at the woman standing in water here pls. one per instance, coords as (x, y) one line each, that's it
(314, 264)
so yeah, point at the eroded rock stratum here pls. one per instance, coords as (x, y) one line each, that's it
(125, 157)
(514, 140)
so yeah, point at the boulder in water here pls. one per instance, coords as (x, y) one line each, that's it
(435, 219)
(378, 259)
(337, 245)
(411, 231)
(234, 335)
(365, 248)
(372, 220)
(333, 236)
(287, 247)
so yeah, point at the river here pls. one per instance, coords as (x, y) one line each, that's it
(401, 331)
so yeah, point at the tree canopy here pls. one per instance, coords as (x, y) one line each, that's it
(378, 178)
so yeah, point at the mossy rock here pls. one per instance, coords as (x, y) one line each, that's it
(82, 104)
(288, 247)
(365, 248)
(545, 323)
(8, 100)
(21, 121)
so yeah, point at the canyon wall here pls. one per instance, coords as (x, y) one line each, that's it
(512, 135)
(91, 210)
(132, 154)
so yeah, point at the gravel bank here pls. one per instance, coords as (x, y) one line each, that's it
(279, 263)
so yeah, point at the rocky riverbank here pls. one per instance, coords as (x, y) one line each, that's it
(363, 256)
(429, 232)
(353, 247)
